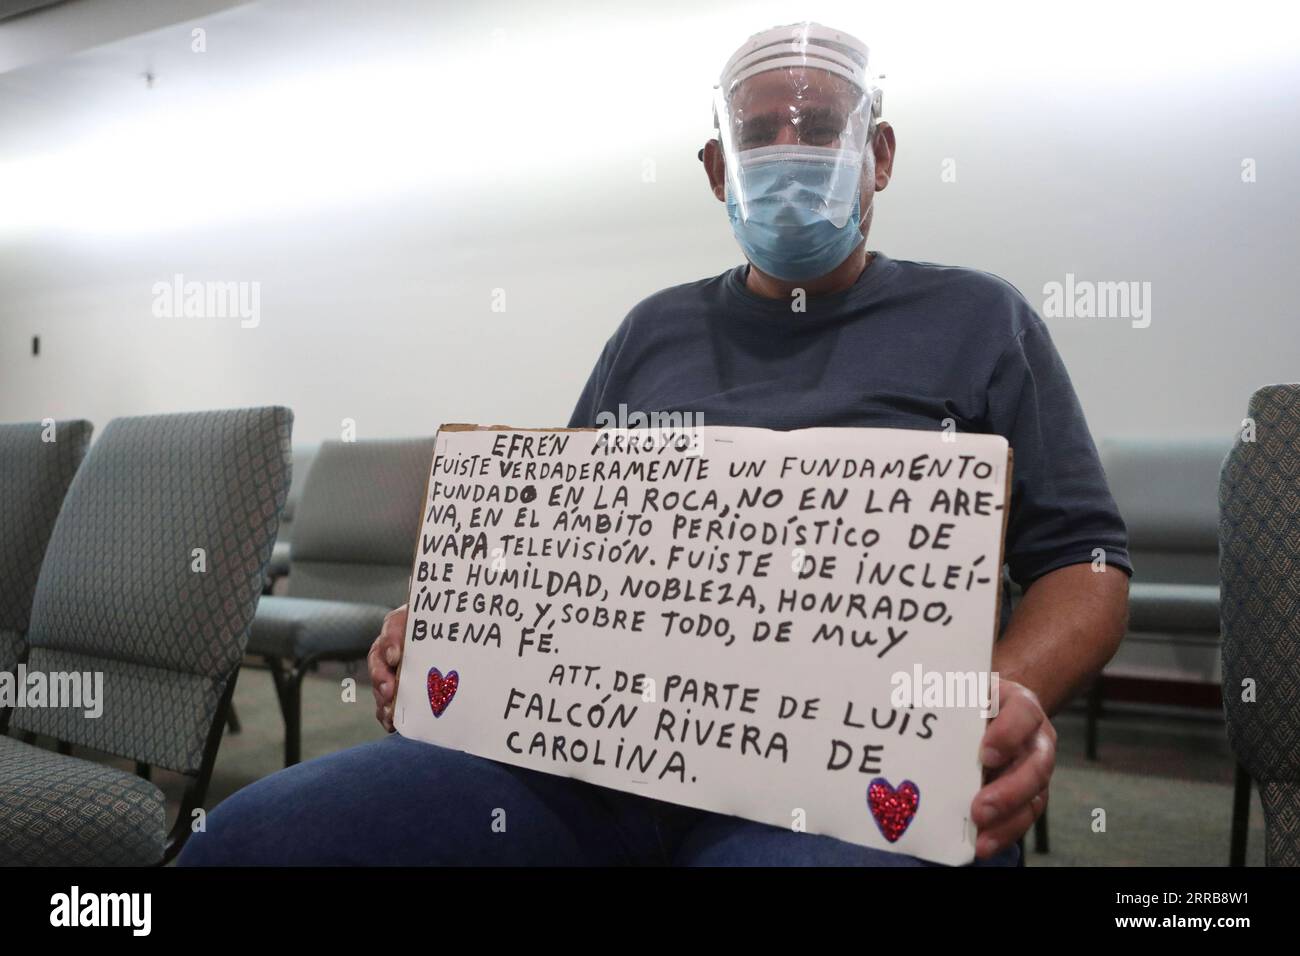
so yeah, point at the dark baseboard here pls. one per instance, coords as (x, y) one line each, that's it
(1170, 693)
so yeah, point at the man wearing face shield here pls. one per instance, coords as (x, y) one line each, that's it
(815, 330)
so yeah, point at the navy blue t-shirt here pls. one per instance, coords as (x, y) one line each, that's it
(909, 345)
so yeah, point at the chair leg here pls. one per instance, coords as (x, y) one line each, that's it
(277, 678)
(142, 769)
(293, 716)
(1094, 717)
(1040, 834)
(64, 748)
(288, 688)
(1240, 817)
(232, 721)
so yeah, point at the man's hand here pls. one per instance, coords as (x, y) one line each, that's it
(385, 655)
(1018, 753)
(1061, 634)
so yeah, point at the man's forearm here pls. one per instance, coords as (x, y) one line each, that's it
(1066, 627)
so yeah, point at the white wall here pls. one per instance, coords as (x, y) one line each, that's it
(381, 168)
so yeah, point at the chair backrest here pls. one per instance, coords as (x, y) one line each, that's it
(1259, 539)
(355, 528)
(152, 576)
(303, 455)
(37, 462)
(1167, 491)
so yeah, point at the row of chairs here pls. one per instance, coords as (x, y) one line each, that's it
(141, 560)
(150, 498)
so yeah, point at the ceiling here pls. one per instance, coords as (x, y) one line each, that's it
(14, 8)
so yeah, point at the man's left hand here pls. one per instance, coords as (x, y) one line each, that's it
(1018, 753)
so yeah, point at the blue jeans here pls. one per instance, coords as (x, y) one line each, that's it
(402, 802)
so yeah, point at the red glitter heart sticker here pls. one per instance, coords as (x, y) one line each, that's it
(892, 807)
(441, 689)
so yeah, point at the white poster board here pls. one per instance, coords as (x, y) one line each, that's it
(732, 620)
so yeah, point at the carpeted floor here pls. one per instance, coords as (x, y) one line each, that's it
(1164, 782)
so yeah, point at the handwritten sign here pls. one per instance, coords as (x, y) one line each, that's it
(791, 627)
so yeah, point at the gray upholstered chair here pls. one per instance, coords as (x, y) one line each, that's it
(1167, 492)
(124, 593)
(350, 564)
(37, 462)
(1259, 539)
(279, 564)
(302, 459)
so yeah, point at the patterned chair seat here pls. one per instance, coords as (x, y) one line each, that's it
(64, 811)
(300, 628)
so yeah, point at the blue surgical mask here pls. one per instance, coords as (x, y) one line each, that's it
(794, 202)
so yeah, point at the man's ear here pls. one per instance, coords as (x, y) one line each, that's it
(883, 145)
(715, 167)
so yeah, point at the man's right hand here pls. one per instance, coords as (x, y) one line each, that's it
(385, 655)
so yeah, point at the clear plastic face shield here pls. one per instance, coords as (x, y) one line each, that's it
(796, 107)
